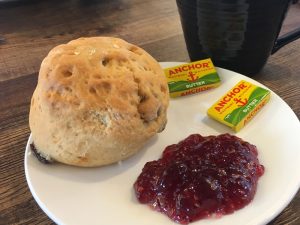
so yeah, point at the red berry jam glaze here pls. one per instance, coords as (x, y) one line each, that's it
(201, 177)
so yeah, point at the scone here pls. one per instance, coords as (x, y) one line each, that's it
(98, 100)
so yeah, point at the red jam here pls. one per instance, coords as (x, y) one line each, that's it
(201, 177)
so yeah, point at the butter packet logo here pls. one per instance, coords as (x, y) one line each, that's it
(192, 77)
(247, 106)
(239, 105)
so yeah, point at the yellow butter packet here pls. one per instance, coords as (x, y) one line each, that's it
(190, 78)
(239, 105)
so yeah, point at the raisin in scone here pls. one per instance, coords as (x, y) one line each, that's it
(98, 100)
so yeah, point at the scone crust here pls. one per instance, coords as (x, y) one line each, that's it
(97, 101)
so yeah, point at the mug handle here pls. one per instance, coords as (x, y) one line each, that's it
(286, 38)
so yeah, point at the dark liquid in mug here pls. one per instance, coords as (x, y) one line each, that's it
(237, 34)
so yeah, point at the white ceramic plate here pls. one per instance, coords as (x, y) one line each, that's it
(70, 195)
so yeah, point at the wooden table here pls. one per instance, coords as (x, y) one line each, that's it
(29, 29)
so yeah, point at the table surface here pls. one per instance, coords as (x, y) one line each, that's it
(29, 29)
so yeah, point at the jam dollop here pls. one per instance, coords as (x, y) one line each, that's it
(201, 177)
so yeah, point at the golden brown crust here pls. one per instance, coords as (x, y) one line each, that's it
(98, 100)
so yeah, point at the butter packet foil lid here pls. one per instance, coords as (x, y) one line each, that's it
(239, 105)
(190, 78)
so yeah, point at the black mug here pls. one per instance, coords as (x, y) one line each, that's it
(238, 35)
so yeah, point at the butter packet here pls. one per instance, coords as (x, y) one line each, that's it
(239, 105)
(190, 78)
